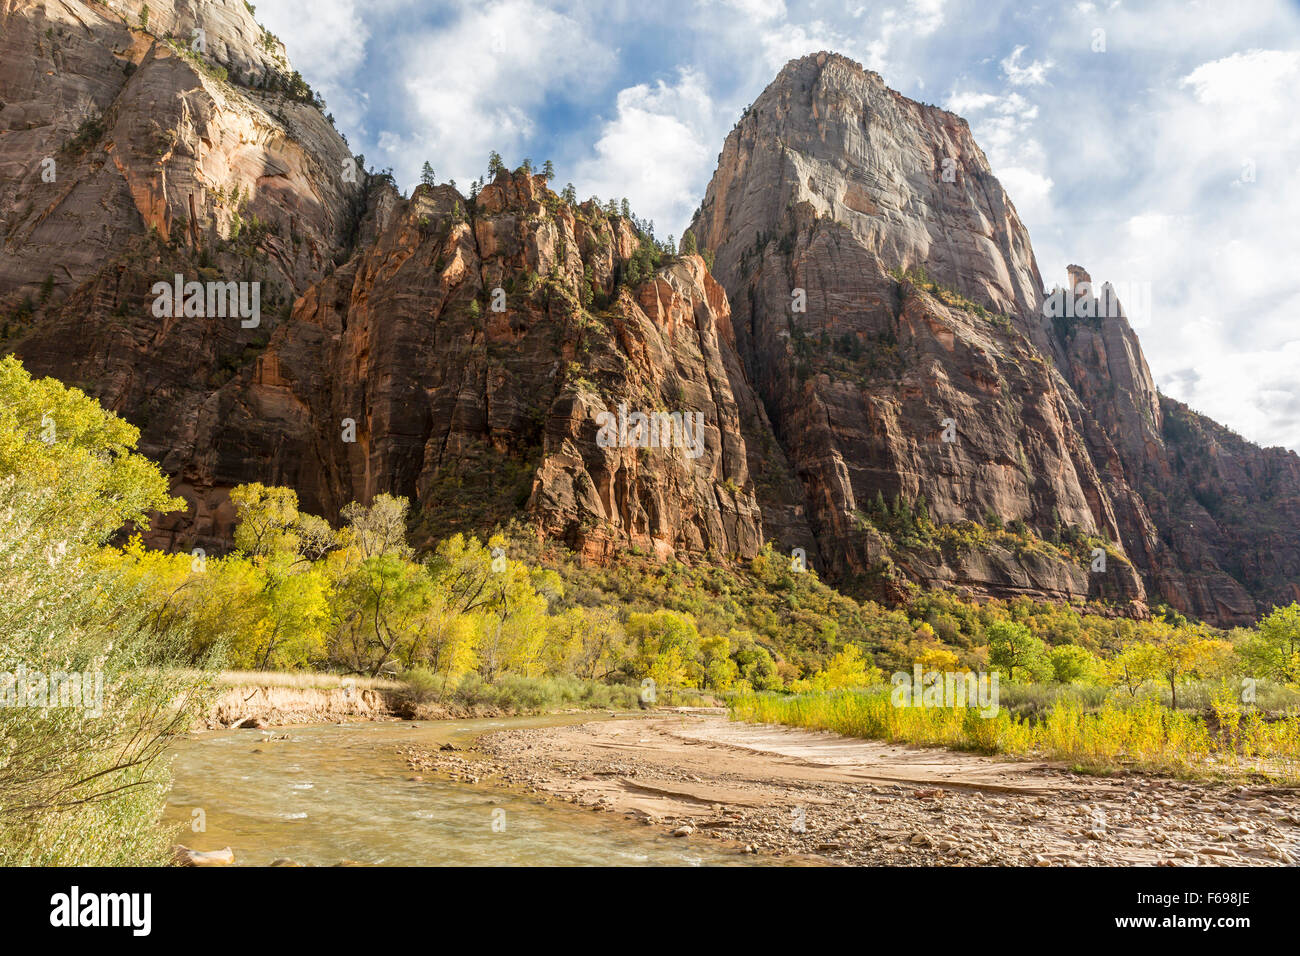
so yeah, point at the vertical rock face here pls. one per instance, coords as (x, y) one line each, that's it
(845, 219)
(110, 132)
(873, 346)
(1209, 518)
(924, 306)
(135, 148)
(459, 352)
(478, 414)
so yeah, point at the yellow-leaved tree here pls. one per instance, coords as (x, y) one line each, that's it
(91, 689)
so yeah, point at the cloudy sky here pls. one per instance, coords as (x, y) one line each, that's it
(1155, 143)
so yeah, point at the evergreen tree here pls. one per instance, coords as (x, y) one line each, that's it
(922, 512)
(570, 195)
(904, 514)
(688, 243)
(426, 175)
(495, 165)
(548, 170)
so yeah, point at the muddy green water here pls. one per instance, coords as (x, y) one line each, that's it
(340, 792)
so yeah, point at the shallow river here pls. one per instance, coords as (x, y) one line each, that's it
(341, 792)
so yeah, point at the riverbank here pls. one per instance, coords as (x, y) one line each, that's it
(780, 791)
(263, 700)
(267, 699)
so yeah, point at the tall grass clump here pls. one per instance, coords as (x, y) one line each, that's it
(518, 694)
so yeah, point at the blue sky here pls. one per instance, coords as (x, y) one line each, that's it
(1162, 153)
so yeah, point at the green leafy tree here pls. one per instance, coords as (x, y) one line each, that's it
(1072, 664)
(378, 528)
(847, 669)
(293, 602)
(666, 644)
(1012, 647)
(1274, 650)
(755, 662)
(383, 606)
(1180, 653)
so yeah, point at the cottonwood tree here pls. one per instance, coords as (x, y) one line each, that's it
(1012, 646)
(292, 602)
(1274, 651)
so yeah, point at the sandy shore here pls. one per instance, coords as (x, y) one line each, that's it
(785, 791)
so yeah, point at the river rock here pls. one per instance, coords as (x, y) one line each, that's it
(187, 857)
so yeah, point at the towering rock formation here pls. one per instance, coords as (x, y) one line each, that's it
(924, 307)
(1209, 518)
(398, 374)
(880, 337)
(886, 305)
(456, 350)
(122, 118)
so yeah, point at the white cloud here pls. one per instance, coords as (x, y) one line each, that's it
(1033, 74)
(964, 104)
(1003, 127)
(1245, 78)
(1031, 191)
(925, 16)
(657, 150)
(760, 9)
(1216, 246)
(475, 84)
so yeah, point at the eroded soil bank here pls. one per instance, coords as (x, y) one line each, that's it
(777, 790)
(270, 705)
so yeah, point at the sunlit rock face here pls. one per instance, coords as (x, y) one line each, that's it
(832, 194)
(485, 354)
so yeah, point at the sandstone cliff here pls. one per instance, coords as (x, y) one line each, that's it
(477, 414)
(924, 307)
(1208, 517)
(872, 349)
(844, 219)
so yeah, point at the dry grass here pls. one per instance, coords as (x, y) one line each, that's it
(302, 680)
(1144, 735)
